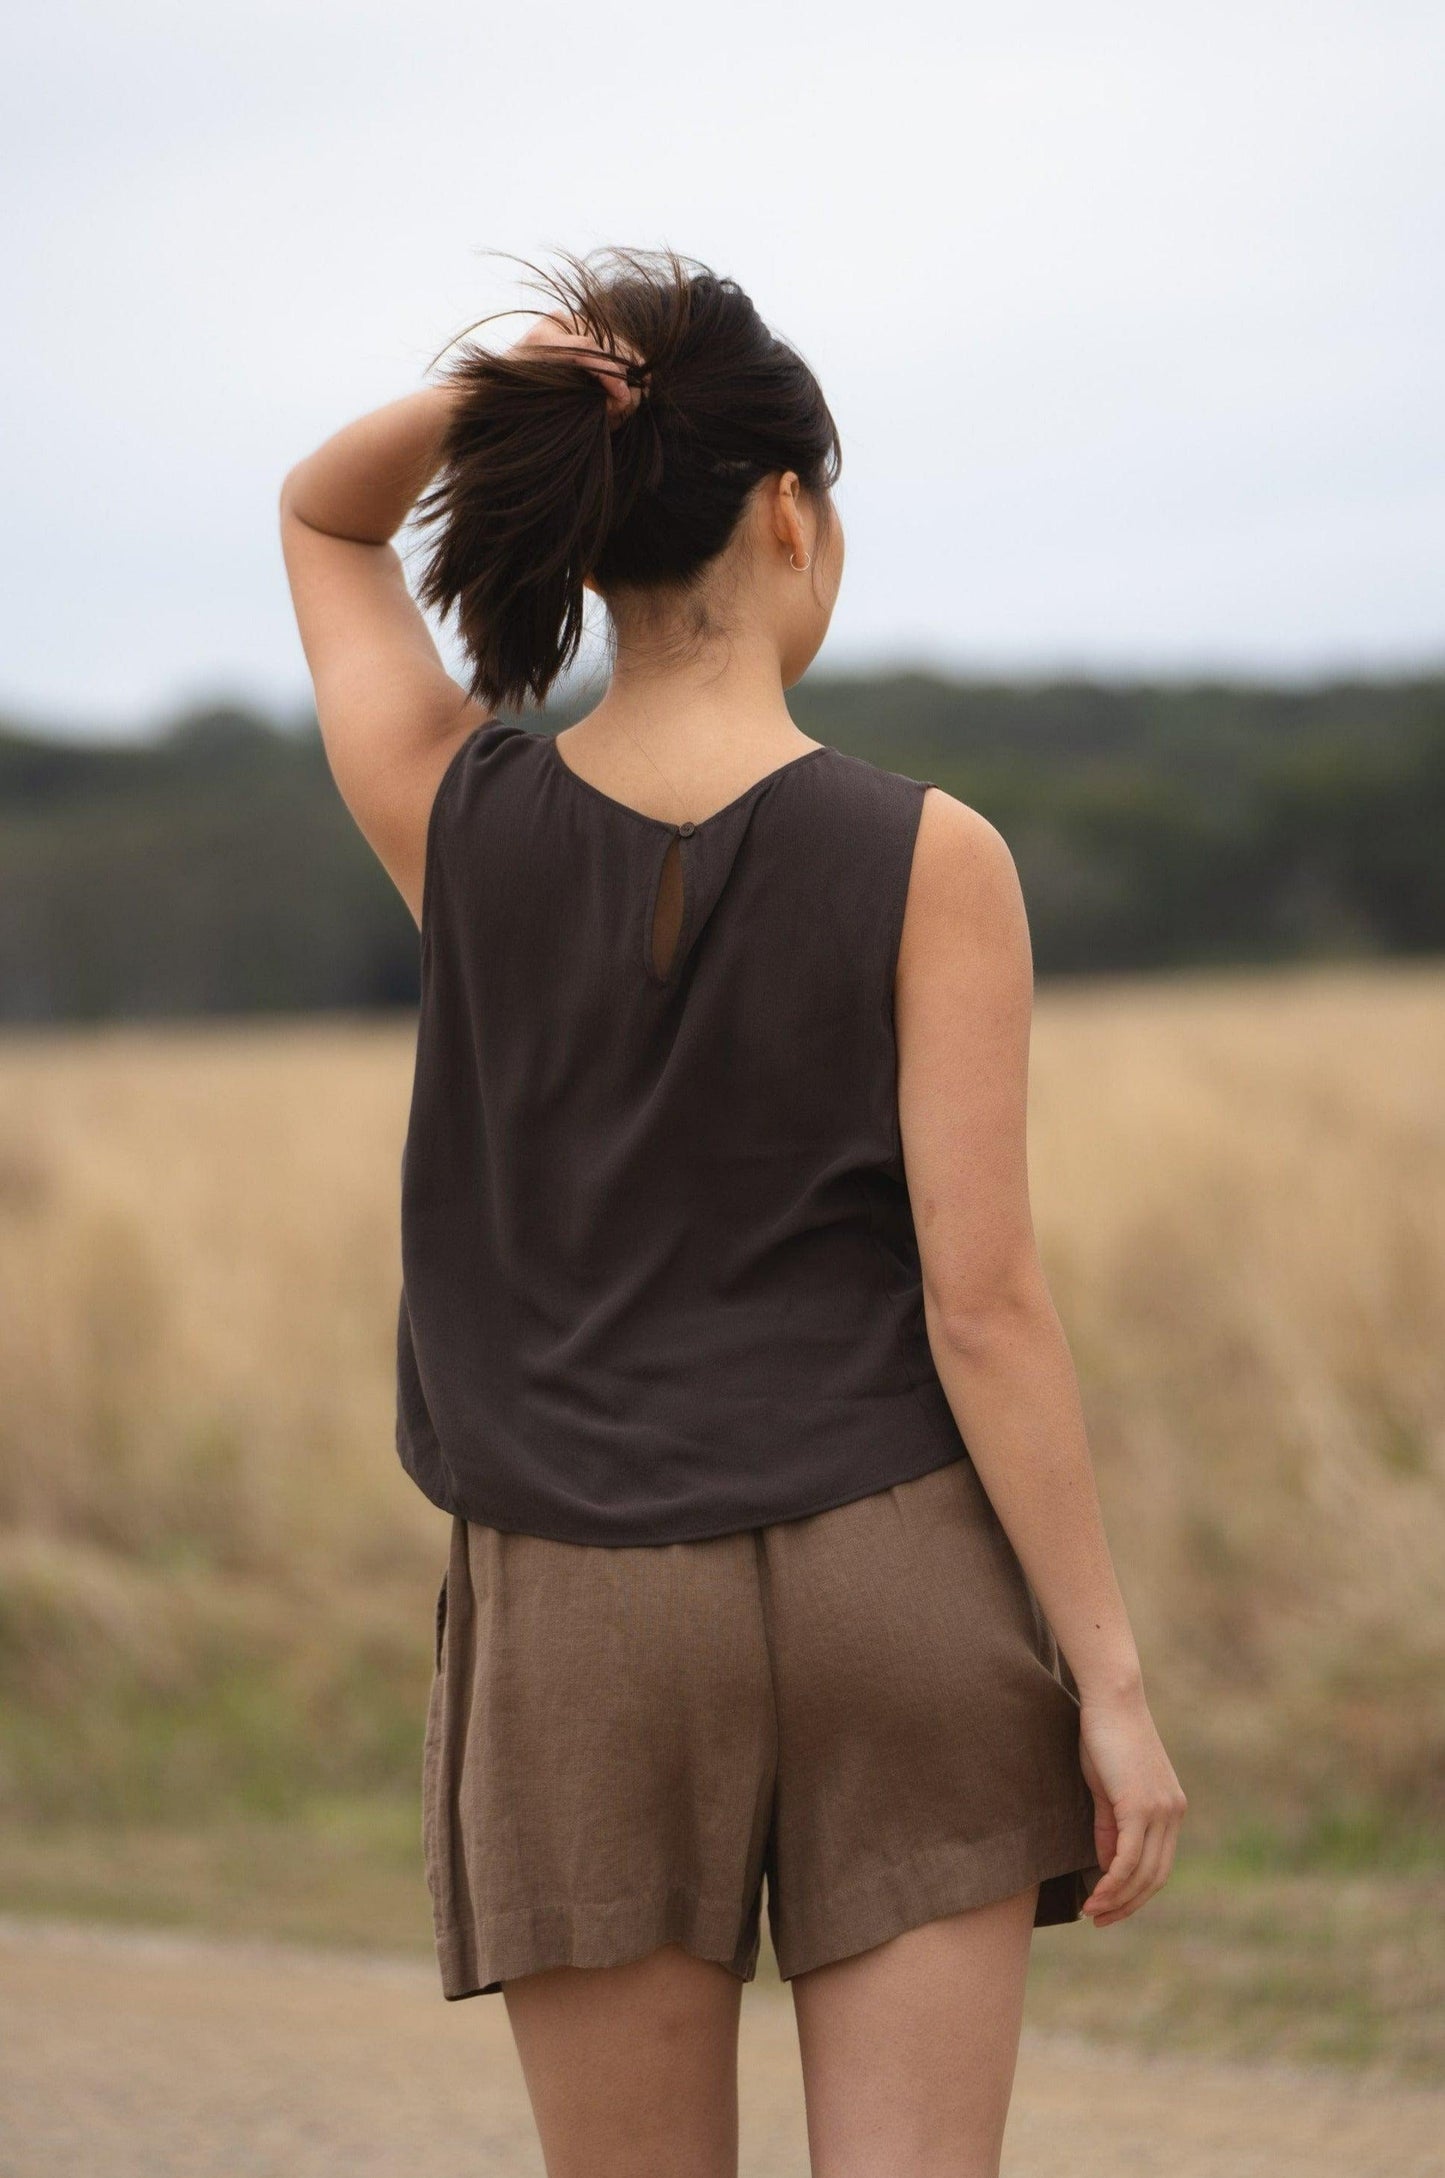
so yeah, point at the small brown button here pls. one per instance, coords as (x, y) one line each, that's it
(684, 829)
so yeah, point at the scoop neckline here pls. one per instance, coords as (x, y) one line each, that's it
(666, 824)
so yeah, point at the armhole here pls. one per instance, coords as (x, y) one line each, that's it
(430, 847)
(895, 946)
(898, 907)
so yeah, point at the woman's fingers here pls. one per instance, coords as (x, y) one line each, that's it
(1143, 1882)
(1105, 1894)
(562, 337)
(1129, 1889)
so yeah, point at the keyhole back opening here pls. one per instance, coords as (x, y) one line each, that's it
(669, 902)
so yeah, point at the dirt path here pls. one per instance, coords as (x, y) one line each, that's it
(140, 2056)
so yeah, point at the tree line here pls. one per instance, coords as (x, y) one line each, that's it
(211, 868)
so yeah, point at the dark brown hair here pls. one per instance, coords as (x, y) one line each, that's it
(539, 488)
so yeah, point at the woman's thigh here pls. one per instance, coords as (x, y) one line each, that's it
(632, 2069)
(909, 2049)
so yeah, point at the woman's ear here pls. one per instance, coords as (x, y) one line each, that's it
(786, 513)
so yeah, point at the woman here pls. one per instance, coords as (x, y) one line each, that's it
(775, 1546)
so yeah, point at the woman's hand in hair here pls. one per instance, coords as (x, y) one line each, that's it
(553, 332)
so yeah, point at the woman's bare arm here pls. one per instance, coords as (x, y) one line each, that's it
(964, 1001)
(391, 715)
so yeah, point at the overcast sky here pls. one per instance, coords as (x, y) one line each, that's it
(1131, 316)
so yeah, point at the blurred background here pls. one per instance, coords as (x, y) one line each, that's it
(1131, 322)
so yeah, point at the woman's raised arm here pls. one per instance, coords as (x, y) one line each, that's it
(391, 715)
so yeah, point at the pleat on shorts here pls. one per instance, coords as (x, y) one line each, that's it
(862, 1712)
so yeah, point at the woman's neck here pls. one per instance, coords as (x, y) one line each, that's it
(683, 739)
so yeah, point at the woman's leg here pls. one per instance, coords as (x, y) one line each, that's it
(632, 2070)
(909, 2049)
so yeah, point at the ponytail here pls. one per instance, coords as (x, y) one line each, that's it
(539, 488)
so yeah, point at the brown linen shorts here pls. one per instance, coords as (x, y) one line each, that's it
(865, 1705)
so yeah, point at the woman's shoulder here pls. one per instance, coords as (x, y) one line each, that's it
(496, 749)
(493, 744)
(964, 884)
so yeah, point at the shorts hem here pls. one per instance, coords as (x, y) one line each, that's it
(502, 1946)
(1055, 1850)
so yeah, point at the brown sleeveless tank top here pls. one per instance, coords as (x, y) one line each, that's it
(660, 1278)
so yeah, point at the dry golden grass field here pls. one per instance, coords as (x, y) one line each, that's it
(216, 1583)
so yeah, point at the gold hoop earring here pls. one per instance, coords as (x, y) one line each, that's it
(807, 562)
